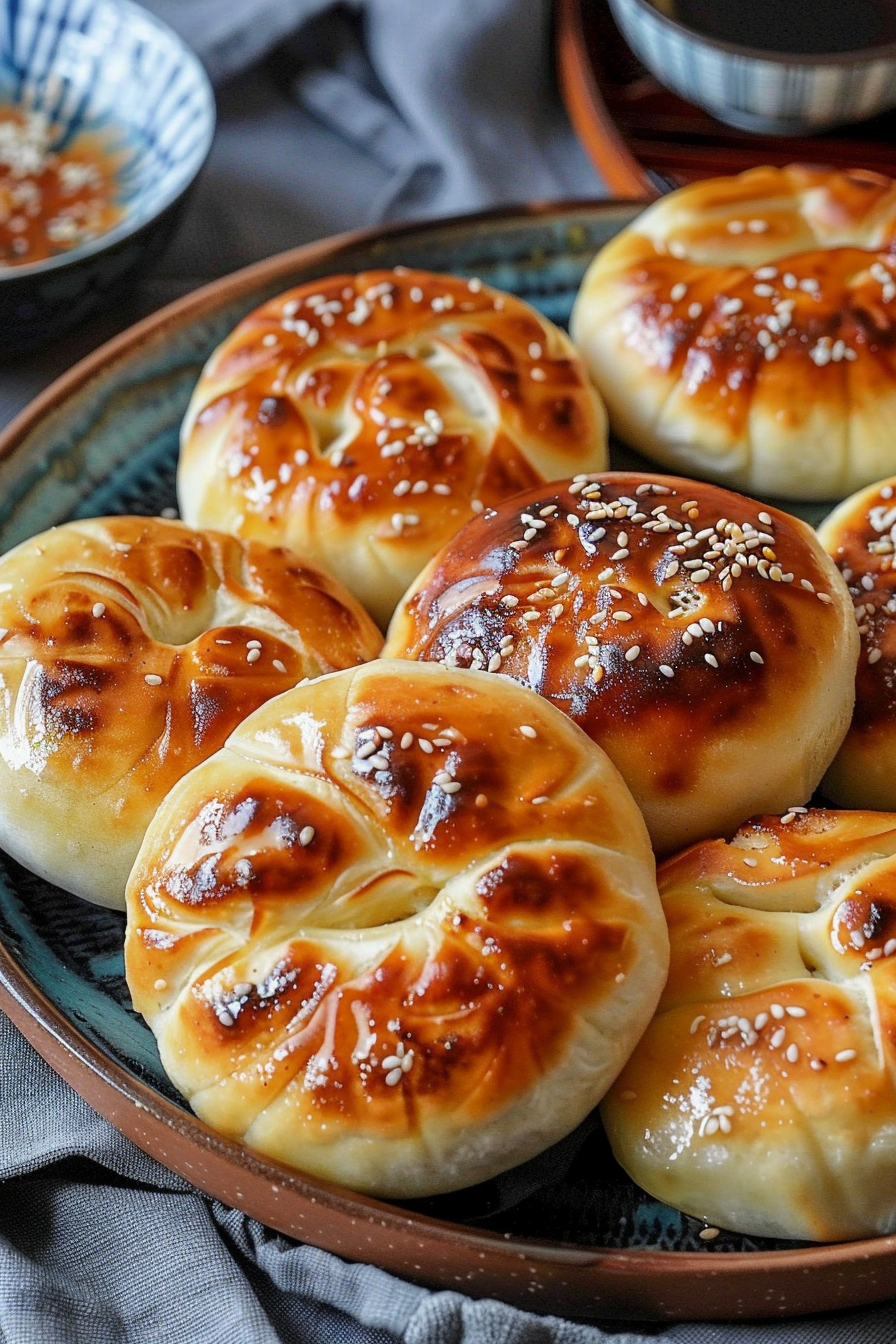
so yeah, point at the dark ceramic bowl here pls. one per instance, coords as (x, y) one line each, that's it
(107, 74)
(758, 88)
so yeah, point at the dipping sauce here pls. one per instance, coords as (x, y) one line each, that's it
(797, 27)
(50, 201)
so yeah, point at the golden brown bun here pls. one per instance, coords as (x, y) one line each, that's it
(741, 329)
(362, 419)
(401, 933)
(129, 649)
(762, 1097)
(860, 534)
(706, 641)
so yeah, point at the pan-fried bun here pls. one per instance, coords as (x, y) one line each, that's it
(129, 649)
(401, 932)
(741, 329)
(860, 535)
(762, 1096)
(706, 641)
(361, 419)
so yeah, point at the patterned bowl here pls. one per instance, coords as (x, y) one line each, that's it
(770, 91)
(106, 118)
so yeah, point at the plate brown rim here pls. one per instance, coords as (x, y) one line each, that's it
(540, 1276)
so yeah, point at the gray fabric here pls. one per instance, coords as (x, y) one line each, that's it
(330, 117)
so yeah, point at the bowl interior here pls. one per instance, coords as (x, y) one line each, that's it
(110, 71)
(804, 33)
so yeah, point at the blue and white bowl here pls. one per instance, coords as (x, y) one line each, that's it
(770, 92)
(109, 68)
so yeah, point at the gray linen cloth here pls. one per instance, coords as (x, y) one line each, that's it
(331, 117)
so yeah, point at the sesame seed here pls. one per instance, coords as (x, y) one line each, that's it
(542, 798)
(306, 835)
(152, 679)
(98, 609)
(632, 653)
(527, 730)
(278, 665)
(253, 655)
(708, 1233)
(666, 670)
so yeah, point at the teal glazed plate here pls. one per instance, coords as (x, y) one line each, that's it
(569, 1233)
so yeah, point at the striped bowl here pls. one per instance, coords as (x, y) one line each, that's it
(756, 90)
(111, 69)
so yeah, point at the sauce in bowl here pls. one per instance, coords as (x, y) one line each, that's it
(795, 27)
(51, 201)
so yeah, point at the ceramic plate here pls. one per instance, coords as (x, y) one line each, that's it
(569, 1233)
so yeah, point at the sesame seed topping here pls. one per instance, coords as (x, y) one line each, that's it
(306, 835)
(844, 1056)
(527, 730)
(152, 679)
(98, 609)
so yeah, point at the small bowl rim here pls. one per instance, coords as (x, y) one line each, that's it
(134, 222)
(859, 56)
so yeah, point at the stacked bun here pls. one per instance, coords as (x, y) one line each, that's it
(706, 641)
(741, 329)
(129, 650)
(401, 932)
(361, 419)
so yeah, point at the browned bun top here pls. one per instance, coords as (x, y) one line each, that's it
(401, 931)
(860, 535)
(762, 1096)
(363, 418)
(705, 640)
(129, 649)
(742, 328)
